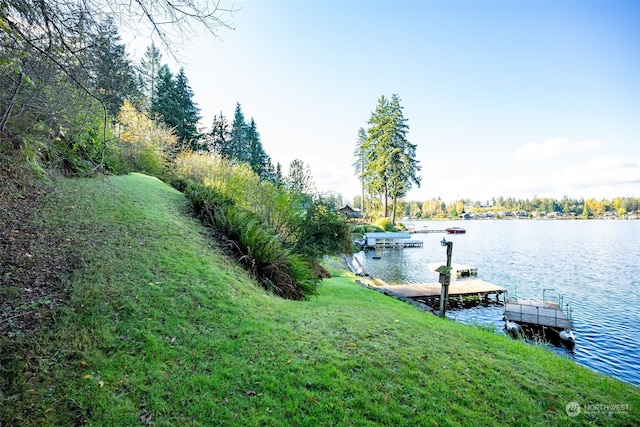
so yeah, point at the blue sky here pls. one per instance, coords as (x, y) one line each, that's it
(517, 99)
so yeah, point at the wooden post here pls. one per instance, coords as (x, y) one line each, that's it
(445, 278)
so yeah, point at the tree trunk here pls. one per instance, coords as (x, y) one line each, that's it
(386, 201)
(393, 211)
(7, 111)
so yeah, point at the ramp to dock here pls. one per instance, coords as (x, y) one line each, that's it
(430, 290)
(536, 313)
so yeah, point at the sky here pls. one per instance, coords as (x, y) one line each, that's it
(512, 99)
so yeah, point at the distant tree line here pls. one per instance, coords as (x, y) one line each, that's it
(505, 207)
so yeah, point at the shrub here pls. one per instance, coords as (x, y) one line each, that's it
(144, 144)
(385, 224)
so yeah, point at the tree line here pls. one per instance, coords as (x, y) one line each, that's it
(502, 207)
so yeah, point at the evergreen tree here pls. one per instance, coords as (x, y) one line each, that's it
(300, 179)
(165, 104)
(390, 165)
(359, 164)
(114, 76)
(148, 71)
(220, 136)
(173, 102)
(258, 158)
(374, 150)
(270, 173)
(238, 147)
(188, 114)
(404, 165)
(279, 178)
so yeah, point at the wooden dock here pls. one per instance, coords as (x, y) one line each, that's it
(431, 290)
(399, 244)
(536, 312)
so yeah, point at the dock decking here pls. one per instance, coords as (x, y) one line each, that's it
(431, 290)
(536, 313)
(398, 244)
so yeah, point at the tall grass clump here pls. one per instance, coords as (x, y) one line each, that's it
(254, 244)
(278, 234)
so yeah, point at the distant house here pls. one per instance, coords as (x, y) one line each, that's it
(350, 212)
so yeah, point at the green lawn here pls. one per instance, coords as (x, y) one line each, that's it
(161, 328)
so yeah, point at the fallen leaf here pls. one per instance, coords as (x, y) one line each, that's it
(86, 377)
(83, 363)
(145, 418)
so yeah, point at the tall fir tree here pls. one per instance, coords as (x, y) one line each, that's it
(165, 103)
(114, 77)
(173, 103)
(148, 71)
(238, 147)
(390, 165)
(404, 165)
(219, 136)
(258, 158)
(188, 114)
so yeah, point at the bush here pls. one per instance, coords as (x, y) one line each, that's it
(144, 144)
(385, 224)
(366, 228)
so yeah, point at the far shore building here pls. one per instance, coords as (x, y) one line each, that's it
(350, 212)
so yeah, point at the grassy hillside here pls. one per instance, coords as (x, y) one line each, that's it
(161, 328)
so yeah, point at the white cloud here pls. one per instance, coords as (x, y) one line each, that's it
(603, 177)
(552, 148)
(604, 172)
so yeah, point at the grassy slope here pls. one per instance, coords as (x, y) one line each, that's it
(161, 328)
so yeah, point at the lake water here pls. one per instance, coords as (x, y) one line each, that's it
(594, 264)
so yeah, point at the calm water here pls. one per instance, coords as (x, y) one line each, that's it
(595, 265)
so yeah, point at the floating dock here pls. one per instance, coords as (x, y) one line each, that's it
(457, 270)
(457, 288)
(537, 313)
